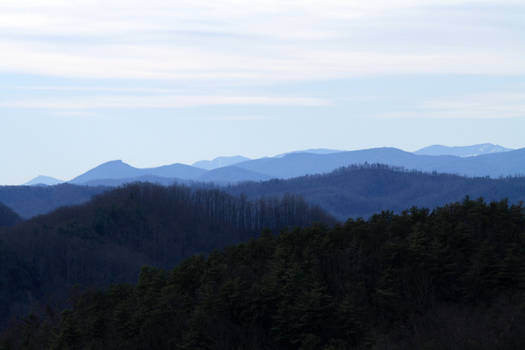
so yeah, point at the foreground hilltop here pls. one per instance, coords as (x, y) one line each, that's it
(453, 278)
(7, 216)
(108, 239)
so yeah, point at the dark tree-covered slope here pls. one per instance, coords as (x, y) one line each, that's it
(29, 201)
(108, 239)
(453, 278)
(7, 216)
(361, 191)
(348, 192)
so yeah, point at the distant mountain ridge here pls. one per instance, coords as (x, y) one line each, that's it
(43, 180)
(311, 150)
(462, 151)
(159, 180)
(360, 191)
(496, 161)
(511, 163)
(117, 169)
(219, 162)
(231, 174)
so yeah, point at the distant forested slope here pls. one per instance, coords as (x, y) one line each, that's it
(509, 163)
(7, 216)
(109, 238)
(453, 278)
(347, 192)
(29, 201)
(361, 191)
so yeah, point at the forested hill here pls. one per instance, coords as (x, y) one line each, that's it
(7, 216)
(453, 278)
(111, 237)
(347, 192)
(361, 191)
(29, 201)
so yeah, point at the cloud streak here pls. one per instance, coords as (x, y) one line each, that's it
(257, 41)
(481, 106)
(166, 101)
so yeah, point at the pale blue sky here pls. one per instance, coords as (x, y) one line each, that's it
(156, 82)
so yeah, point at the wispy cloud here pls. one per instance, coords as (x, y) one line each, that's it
(258, 40)
(178, 101)
(64, 113)
(243, 118)
(482, 106)
(98, 88)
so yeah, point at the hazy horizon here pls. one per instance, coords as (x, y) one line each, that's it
(248, 158)
(155, 83)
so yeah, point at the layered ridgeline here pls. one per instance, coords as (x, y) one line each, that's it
(361, 191)
(7, 216)
(462, 151)
(109, 238)
(348, 192)
(509, 163)
(42, 180)
(453, 278)
(29, 201)
(477, 160)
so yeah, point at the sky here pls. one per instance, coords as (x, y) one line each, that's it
(160, 82)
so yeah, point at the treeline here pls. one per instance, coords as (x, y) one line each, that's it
(351, 192)
(363, 190)
(453, 278)
(7, 216)
(29, 201)
(108, 239)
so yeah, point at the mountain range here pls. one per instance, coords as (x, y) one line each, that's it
(462, 151)
(477, 160)
(110, 237)
(354, 191)
(42, 180)
(361, 191)
(219, 162)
